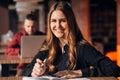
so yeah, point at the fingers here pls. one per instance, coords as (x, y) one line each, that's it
(38, 70)
(39, 61)
(34, 74)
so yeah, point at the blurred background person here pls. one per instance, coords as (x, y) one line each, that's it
(30, 27)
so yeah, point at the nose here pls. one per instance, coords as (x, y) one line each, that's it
(58, 24)
(30, 28)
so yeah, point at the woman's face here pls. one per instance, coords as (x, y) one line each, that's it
(59, 24)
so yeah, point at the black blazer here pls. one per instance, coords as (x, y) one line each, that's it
(90, 61)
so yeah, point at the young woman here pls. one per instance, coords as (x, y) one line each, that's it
(66, 52)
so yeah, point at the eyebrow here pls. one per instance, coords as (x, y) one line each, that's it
(60, 18)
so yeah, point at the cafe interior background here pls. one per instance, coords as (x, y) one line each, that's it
(97, 19)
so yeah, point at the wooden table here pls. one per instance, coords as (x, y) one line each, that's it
(92, 78)
(3, 47)
(4, 59)
(10, 78)
(2, 50)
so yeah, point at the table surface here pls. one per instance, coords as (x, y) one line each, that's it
(14, 59)
(92, 78)
(2, 50)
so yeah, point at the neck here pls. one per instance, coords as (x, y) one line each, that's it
(63, 42)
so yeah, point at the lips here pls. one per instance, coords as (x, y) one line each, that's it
(59, 30)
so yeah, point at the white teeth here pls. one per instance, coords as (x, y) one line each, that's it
(58, 30)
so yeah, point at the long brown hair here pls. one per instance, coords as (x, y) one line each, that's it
(74, 35)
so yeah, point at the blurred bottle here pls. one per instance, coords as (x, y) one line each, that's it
(6, 38)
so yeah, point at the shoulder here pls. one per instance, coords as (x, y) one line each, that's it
(86, 48)
(21, 33)
(84, 45)
(18, 35)
(88, 52)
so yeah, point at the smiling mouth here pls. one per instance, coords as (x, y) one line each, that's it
(59, 30)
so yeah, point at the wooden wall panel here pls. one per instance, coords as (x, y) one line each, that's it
(4, 20)
(81, 10)
(118, 32)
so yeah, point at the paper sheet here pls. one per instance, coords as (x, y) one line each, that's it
(51, 78)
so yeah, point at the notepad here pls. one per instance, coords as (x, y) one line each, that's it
(51, 78)
(43, 78)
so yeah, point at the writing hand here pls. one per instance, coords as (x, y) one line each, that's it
(38, 69)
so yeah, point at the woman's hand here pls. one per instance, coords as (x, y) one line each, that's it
(69, 74)
(38, 69)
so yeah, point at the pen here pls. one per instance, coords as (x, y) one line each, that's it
(44, 62)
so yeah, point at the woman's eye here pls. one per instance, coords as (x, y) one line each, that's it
(53, 20)
(63, 20)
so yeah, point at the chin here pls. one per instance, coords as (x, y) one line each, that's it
(30, 34)
(59, 36)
